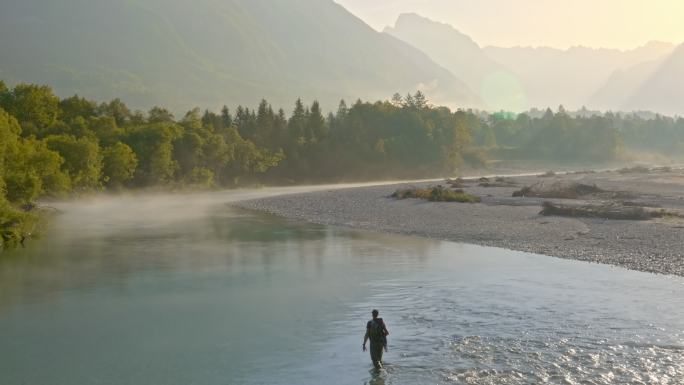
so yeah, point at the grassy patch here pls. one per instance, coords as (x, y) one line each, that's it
(436, 194)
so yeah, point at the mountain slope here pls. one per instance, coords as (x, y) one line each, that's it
(570, 77)
(446, 45)
(212, 52)
(459, 54)
(519, 78)
(663, 91)
(623, 84)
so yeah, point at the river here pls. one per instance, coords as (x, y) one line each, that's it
(182, 289)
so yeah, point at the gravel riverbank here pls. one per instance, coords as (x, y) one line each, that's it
(500, 220)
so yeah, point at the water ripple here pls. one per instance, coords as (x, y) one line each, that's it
(454, 334)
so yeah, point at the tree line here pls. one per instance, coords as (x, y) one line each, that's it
(54, 147)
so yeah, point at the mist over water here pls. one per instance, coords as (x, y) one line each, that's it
(182, 289)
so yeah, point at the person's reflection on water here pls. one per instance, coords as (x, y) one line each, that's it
(377, 378)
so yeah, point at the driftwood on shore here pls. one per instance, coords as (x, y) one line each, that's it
(611, 210)
(605, 211)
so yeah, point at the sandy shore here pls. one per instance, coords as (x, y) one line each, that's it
(655, 245)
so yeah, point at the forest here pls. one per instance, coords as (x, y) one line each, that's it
(53, 147)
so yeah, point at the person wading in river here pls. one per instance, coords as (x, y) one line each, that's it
(377, 332)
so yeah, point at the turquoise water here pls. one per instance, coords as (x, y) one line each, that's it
(185, 290)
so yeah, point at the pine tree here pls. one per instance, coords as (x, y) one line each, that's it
(342, 110)
(264, 124)
(296, 124)
(316, 123)
(420, 100)
(409, 102)
(397, 100)
(226, 117)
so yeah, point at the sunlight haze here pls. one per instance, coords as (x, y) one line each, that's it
(620, 24)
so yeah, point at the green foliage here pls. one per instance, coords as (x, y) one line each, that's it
(13, 223)
(118, 165)
(34, 170)
(153, 145)
(27, 170)
(160, 115)
(200, 177)
(35, 107)
(81, 145)
(76, 107)
(556, 136)
(250, 159)
(660, 134)
(9, 134)
(402, 138)
(436, 194)
(117, 110)
(50, 147)
(82, 160)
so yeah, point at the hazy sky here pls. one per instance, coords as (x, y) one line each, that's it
(558, 23)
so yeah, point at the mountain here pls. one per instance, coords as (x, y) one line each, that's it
(519, 78)
(663, 90)
(459, 54)
(623, 84)
(211, 52)
(570, 77)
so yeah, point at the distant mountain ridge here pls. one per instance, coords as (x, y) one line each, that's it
(519, 78)
(663, 89)
(570, 77)
(458, 53)
(213, 52)
(433, 41)
(622, 85)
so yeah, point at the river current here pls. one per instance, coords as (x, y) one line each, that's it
(183, 289)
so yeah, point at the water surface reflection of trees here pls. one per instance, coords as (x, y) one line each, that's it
(228, 241)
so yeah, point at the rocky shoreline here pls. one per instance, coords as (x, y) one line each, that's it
(515, 223)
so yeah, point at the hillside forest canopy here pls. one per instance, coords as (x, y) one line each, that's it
(53, 147)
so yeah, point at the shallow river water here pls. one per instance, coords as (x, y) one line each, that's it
(182, 289)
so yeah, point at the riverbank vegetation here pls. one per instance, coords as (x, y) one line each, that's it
(53, 147)
(436, 194)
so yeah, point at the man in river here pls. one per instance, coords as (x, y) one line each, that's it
(377, 332)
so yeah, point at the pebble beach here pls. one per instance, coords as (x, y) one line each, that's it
(515, 223)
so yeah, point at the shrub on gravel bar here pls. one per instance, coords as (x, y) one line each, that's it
(437, 193)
